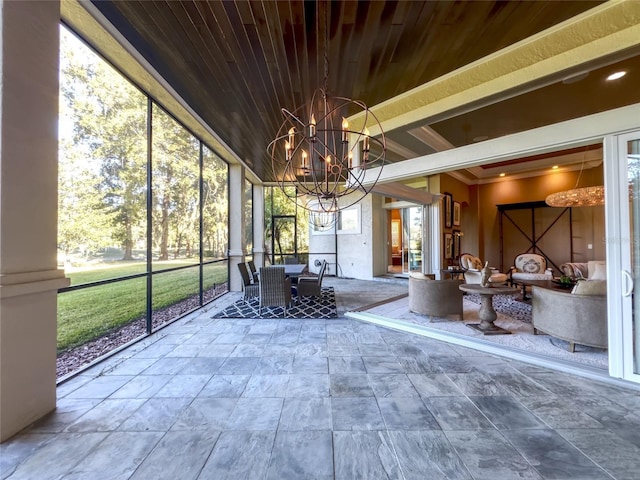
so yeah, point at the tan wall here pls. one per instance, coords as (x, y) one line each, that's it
(466, 195)
(587, 222)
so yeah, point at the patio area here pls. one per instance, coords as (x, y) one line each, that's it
(337, 398)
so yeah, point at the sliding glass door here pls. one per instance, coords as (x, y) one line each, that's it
(411, 239)
(623, 238)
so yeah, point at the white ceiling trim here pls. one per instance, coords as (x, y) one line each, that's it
(572, 133)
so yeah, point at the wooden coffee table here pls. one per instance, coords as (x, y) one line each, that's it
(487, 313)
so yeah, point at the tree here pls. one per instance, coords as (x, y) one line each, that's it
(109, 124)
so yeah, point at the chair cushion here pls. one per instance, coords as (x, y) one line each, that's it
(530, 263)
(590, 287)
(531, 276)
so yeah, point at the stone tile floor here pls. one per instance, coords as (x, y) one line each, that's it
(324, 399)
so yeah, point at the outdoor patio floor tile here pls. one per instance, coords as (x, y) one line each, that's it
(307, 455)
(178, 455)
(335, 398)
(356, 413)
(489, 456)
(240, 454)
(553, 456)
(506, 413)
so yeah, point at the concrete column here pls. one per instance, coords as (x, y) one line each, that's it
(29, 277)
(236, 225)
(258, 225)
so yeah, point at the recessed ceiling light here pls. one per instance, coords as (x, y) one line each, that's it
(502, 174)
(480, 138)
(616, 75)
(555, 167)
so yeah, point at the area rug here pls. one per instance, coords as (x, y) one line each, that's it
(303, 307)
(506, 304)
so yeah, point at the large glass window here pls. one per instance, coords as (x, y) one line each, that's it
(175, 201)
(142, 225)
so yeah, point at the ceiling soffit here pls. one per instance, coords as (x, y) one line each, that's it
(237, 63)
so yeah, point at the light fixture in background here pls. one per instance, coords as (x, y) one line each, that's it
(503, 174)
(321, 218)
(578, 197)
(317, 152)
(616, 75)
(555, 167)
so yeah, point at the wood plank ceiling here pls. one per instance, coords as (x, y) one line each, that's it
(237, 63)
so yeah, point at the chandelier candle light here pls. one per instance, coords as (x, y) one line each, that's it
(320, 160)
(324, 158)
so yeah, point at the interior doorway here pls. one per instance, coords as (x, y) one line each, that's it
(405, 240)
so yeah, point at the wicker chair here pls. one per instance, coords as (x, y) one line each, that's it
(250, 290)
(253, 271)
(312, 286)
(275, 288)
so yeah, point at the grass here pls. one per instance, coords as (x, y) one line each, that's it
(90, 313)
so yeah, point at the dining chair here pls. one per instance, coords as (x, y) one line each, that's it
(312, 286)
(250, 290)
(275, 288)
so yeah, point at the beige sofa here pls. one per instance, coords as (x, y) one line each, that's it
(572, 317)
(594, 269)
(437, 298)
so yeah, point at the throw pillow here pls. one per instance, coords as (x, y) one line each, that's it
(600, 272)
(477, 264)
(590, 287)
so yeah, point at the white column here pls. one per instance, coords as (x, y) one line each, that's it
(29, 277)
(236, 225)
(258, 225)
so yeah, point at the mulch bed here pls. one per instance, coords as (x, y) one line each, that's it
(75, 358)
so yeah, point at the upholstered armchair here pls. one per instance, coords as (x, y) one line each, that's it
(472, 267)
(527, 267)
(530, 266)
(438, 298)
(275, 288)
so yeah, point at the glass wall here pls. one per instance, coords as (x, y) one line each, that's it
(286, 227)
(143, 211)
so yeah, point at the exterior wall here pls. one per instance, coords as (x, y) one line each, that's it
(29, 277)
(322, 247)
(355, 250)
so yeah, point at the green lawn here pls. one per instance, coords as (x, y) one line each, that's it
(86, 314)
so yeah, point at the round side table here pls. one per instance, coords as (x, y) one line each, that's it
(487, 313)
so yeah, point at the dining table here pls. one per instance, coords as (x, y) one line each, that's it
(294, 270)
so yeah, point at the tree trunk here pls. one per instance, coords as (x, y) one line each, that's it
(128, 241)
(164, 229)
